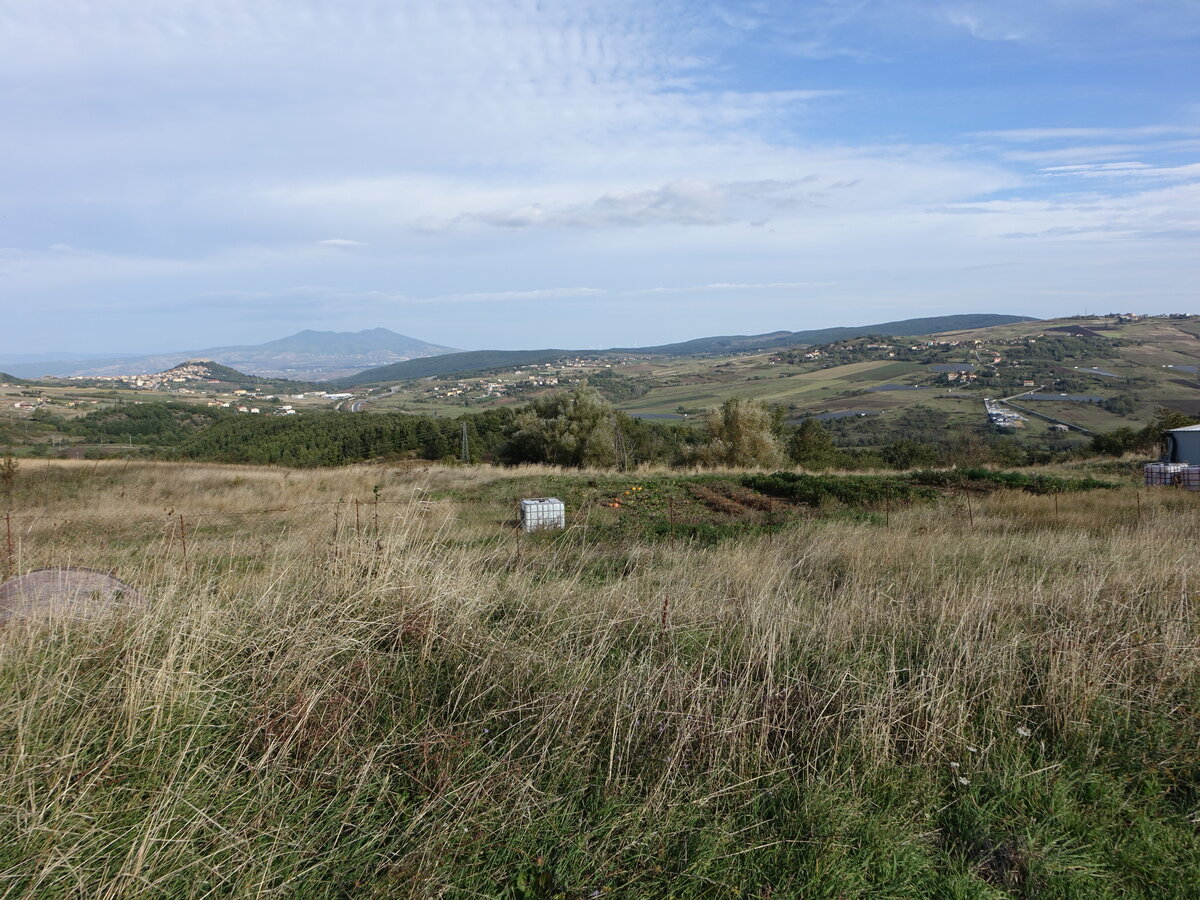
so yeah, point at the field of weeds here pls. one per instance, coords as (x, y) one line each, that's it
(364, 682)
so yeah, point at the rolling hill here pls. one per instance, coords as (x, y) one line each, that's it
(455, 363)
(483, 360)
(734, 343)
(1095, 374)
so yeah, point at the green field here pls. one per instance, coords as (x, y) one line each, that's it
(365, 682)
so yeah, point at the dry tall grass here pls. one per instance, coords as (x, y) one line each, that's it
(424, 703)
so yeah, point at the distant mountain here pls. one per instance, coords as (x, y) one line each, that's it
(305, 356)
(348, 343)
(483, 360)
(5, 378)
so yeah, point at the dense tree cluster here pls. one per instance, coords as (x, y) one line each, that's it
(616, 387)
(1142, 440)
(575, 428)
(580, 428)
(329, 439)
(1063, 347)
(156, 424)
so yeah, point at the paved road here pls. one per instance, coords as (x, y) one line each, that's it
(357, 405)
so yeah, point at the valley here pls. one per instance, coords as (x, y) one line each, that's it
(1048, 385)
(1130, 368)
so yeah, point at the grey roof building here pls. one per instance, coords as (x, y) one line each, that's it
(1183, 445)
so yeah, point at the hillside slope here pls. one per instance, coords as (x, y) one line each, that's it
(452, 363)
(921, 326)
(481, 360)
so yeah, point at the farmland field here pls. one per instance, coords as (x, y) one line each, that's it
(1137, 357)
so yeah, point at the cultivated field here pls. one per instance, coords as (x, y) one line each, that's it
(990, 695)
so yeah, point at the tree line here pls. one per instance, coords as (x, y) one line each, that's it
(570, 428)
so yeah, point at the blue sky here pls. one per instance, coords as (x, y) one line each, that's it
(509, 173)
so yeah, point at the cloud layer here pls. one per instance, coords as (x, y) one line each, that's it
(179, 170)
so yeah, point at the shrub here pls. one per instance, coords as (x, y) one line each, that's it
(740, 433)
(849, 489)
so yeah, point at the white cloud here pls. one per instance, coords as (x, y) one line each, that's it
(563, 293)
(780, 183)
(1039, 135)
(417, 156)
(983, 29)
(692, 202)
(739, 287)
(1081, 28)
(1126, 170)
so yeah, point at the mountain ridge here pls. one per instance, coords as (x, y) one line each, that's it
(305, 356)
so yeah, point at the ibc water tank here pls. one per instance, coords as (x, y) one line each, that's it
(541, 513)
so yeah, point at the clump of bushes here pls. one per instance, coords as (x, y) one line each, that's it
(988, 479)
(854, 490)
(848, 489)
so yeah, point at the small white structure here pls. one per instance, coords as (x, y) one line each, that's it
(1183, 445)
(1163, 473)
(543, 513)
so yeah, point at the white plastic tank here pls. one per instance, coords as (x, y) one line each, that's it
(1163, 473)
(542, 513)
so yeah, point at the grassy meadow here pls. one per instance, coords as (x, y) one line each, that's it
(364, 682)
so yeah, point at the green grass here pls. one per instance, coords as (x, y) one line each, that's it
(436, 706)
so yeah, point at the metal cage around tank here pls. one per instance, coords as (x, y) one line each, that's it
(543, 514)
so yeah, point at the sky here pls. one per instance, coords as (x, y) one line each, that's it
(531, 173)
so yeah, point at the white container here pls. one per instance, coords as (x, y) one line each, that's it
(1163, 473)
(542, 513)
